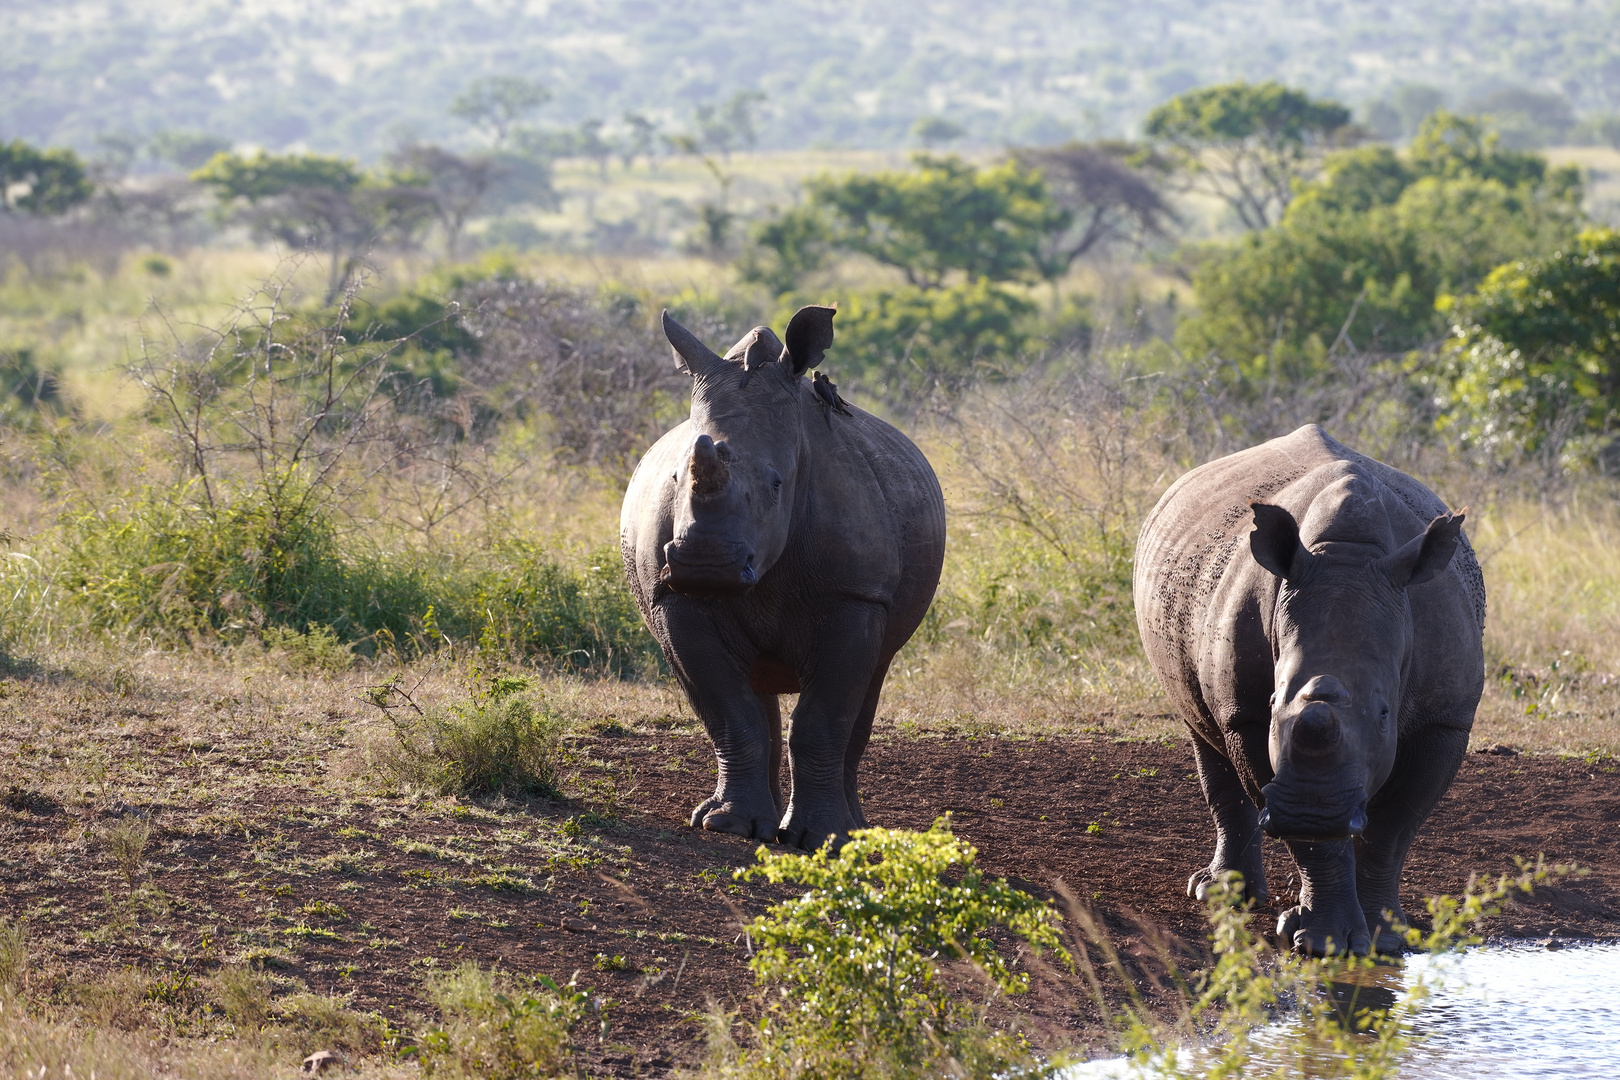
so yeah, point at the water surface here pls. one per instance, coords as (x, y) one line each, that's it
(1512, 1012)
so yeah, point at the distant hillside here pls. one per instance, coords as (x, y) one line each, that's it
(352, 76)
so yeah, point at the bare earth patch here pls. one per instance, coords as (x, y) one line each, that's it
(164, 818)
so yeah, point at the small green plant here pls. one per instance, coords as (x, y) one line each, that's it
(855, 960)
(498, 742)
(497, 1026)
(317, 649)
(326, 910)
(604, 962)
(126, 843)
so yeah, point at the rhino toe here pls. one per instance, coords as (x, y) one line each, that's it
(1312, 934)
(727, 818)
(1254, 891)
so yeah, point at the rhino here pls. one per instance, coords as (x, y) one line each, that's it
(777, 543)
(1328, 661)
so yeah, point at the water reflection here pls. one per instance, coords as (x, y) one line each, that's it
(1509, 1012)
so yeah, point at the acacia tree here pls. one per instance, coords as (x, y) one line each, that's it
(309, 200)
(944, 215)
(499, 103)
(1247, 144)
(454, 186)
(44, 183)
(1110, 196)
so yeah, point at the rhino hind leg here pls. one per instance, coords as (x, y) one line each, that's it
(1328, 918)
(858, 738)
(1237, 828)
(1423, 771)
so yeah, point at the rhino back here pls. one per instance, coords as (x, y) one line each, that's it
(1203, 605)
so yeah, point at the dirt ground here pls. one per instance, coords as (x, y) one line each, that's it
(358, 891)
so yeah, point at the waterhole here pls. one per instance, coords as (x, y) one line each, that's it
(1508, 1012)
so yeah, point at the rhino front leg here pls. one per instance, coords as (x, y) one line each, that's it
(823, 746)
(1424, 768)
(1329, 917)
(1237, 826)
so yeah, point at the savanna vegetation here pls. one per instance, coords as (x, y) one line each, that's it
(311, 470)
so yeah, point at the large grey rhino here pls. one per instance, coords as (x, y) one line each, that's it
(1328, 660)
(780, 542)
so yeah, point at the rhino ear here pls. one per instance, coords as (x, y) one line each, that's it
(691, 355)
(808, 336)
(1422, 557)
(1275, 542)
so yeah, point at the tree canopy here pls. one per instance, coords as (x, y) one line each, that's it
(943, 216)
(1247, 143)
(1363, 253)
(41, 182)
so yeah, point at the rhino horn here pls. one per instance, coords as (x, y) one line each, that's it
(760, 346)
(710, 473)
(691, 355)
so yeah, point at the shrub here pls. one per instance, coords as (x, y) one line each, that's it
(498, 742)
(165, 564)
(499, 1027)
(856, 958)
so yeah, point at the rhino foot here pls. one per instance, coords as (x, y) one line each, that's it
(733, 816)
(1320, 933)
(1254, 888)
(809, 831)
(1388, 940)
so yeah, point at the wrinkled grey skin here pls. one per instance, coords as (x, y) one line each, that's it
(1324, 647)
(776, 548)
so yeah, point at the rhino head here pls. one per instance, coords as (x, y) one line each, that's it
(736, 489)
(1342, 635)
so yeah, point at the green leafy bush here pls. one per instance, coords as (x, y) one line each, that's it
(161, 562)
(1535, 355)
(499, 1027)
(498, 742)
(857, 958)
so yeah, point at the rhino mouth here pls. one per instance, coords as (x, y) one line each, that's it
(695, 577)
(1312, 821)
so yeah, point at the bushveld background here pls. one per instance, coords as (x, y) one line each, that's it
(315, 461)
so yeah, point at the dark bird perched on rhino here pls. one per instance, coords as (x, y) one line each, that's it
(1328, 662)
(773, 553)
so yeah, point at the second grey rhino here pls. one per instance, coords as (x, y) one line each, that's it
(1317, 618)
